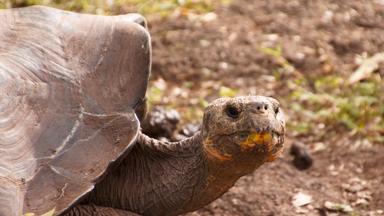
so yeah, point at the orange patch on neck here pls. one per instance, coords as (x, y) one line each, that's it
(256, 139)
(271, 158)
(214, 153)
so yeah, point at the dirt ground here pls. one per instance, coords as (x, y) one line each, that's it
(193, 58)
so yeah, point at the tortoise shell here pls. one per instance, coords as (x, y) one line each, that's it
(69, 87)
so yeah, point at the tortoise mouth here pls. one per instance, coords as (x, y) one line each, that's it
(276, 138)
(279, 138)
(271, 141)
(276, 147)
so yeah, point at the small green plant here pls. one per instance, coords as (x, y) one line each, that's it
(277, 54)
(227, 92)
(330, 102)
(358, 108)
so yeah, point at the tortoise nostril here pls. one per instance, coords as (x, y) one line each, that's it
(260, 107)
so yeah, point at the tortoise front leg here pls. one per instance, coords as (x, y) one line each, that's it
(93, 210)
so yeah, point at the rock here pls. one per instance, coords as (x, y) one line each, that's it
(186, 132)
(302, 158)
(190, 129)
(161, 122)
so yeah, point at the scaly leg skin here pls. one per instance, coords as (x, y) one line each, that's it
(93, 210)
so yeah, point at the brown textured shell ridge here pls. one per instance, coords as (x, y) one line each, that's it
(69, 84)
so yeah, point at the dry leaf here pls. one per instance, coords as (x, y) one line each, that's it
(367, 67)
(338, 207)
(301, 199)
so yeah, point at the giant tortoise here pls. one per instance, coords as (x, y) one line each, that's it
(72, 95)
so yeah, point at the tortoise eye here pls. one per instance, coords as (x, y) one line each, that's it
(277, 109)
(232, 111)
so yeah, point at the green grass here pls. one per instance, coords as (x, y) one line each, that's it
(322, 104)
(331, 102)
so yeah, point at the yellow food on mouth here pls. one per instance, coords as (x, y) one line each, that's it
(256, 139)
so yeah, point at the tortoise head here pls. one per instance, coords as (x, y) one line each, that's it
(248, 129)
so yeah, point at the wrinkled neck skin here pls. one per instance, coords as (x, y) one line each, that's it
(164, 178)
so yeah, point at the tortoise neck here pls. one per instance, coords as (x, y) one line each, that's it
(155, 178)
(189, 145)
(219, 174)
(165, 178)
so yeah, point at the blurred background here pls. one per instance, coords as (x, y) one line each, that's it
(323, 59)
